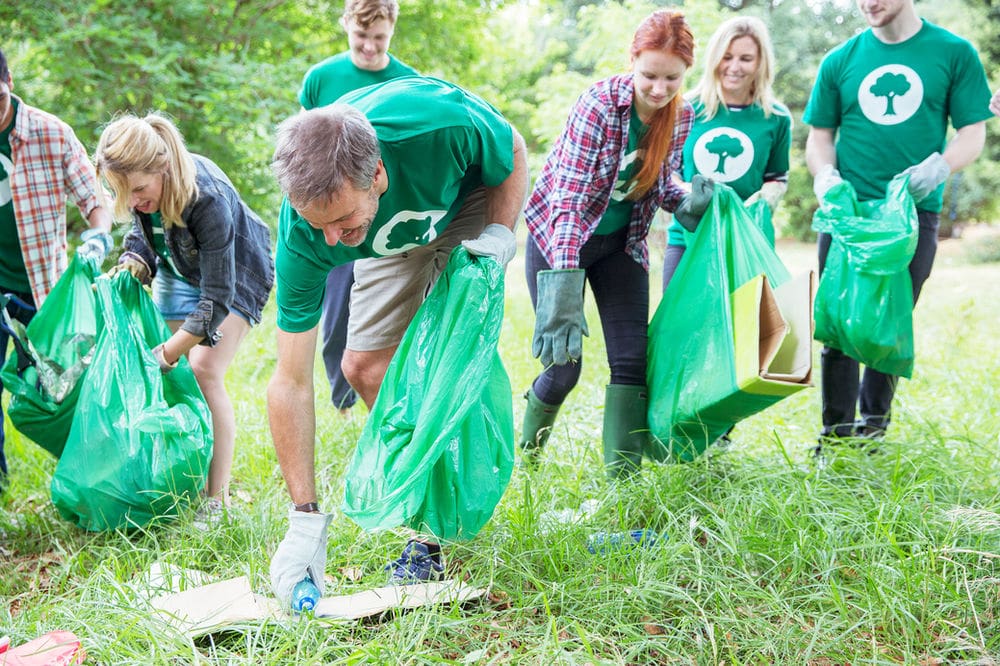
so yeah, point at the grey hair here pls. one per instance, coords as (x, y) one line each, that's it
(320, 151)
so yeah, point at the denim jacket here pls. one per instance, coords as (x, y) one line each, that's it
(223, 248)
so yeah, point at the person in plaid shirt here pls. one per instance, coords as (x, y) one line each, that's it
(42, 165)
(588, 218)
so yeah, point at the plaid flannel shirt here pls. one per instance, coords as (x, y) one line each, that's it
(50, 167)
(574, 188)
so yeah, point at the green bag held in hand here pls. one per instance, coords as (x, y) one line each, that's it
(691, 370)
(141, 441)
(437, 451)
(56, 347)
(864, 304)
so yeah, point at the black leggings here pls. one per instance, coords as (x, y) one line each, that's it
(621, 290)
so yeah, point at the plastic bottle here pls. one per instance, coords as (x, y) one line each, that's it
(305, 595)
(601, 542)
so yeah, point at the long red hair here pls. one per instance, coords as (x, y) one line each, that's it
(663, 30)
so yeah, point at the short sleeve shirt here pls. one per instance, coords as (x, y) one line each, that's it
(738, 146)
(438, 143)
(325, 82)
(13, 274)
(619, 211)
(891, 103)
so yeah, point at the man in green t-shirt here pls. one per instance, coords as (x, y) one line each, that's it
(369, 25)
(889, 93)
(393, 176)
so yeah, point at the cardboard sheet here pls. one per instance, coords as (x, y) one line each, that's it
(228, 603)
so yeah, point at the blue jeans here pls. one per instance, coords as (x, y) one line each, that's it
(621, 291)
(336, 311)
(843, 395)
(176, 298)
(23, 314)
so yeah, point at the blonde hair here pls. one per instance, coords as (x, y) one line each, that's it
(709, 88)
(151, 145)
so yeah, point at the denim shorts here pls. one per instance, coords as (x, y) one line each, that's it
(177, 298)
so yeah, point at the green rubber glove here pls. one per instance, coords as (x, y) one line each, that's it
(559, 321)
(693, 206)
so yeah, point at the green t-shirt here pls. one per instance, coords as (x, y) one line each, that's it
(438, 143)
(738, 147)
(619, 211)
(160, 244)
(13, 274)
(325, 82)
(891, 103)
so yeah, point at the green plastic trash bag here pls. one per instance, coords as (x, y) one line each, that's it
(51, 357)
(437, 451)
(864, 304)
(141, 441)
(691, 369)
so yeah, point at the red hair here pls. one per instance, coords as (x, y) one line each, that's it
(666, 31)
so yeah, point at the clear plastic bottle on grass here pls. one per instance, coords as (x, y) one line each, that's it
(600, 543)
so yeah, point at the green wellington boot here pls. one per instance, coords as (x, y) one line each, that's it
(538, 420)
(625, 428)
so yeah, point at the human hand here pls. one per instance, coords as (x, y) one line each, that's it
(559, 321)
(165, 366)
(300, 554)
(771, 192)
(96, 245)
(133, 263)
(693, 206)
(496, 241)
(927, 176)
(995, 103)
(825, 179)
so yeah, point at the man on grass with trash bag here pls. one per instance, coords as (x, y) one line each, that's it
(393, 176)
(42, 166)
(889, 92)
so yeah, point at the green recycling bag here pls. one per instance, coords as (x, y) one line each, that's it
(437, 451)
(58, 345)
(864, 304)
(691, 368)
(141, 441)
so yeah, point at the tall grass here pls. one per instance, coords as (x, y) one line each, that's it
(769, 556)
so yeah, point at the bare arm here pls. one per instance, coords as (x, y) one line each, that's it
(505, 202)
(291, 412)
(100, 218)
(820, 149)
(965, 146)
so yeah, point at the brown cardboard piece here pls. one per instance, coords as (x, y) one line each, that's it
(218, 606)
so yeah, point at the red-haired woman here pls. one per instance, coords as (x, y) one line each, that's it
(587, 219)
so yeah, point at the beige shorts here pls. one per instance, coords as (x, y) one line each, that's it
(388, 291)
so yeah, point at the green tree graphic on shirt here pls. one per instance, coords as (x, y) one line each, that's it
(414, 231)
(724, 145)
(890, 86)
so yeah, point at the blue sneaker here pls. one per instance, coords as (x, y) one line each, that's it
(419, 562)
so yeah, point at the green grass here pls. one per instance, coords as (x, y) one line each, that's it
(770, 558)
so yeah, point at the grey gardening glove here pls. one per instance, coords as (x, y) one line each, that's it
(559, 321)
(826, 178)
(96, 245)
(134, 264)
(692, 207)
(496, 241)
(927, 176)
(301, 553)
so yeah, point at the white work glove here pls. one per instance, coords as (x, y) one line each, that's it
(301, 553)
(927, 176)
(158, 355)
(134, 264)
(96, 244)
(825, 179)
(771, 192)
(496, 241)
(693, 206)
